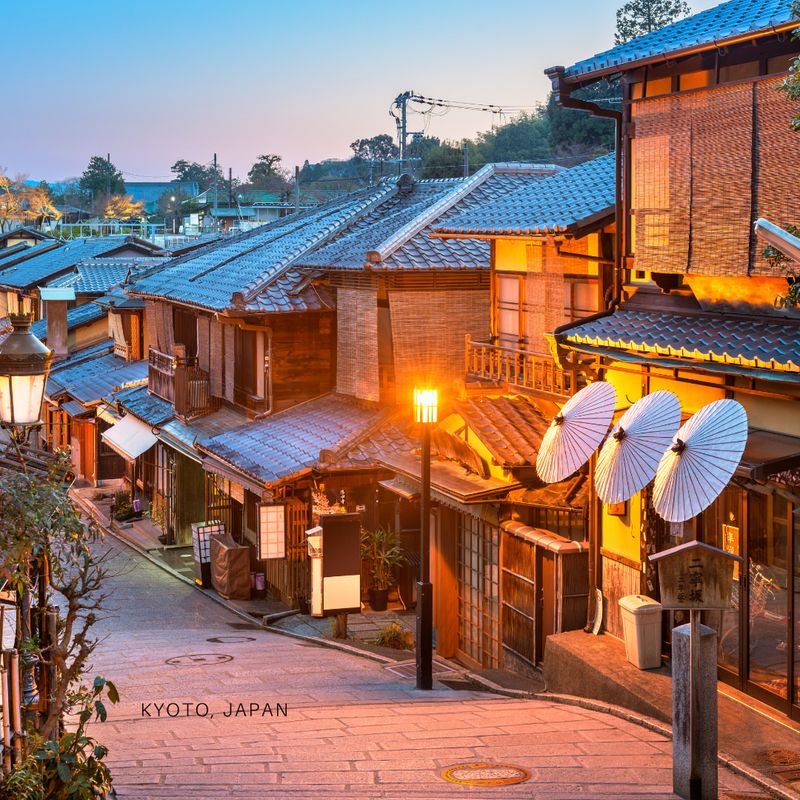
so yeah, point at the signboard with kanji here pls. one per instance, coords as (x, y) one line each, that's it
(696, 576)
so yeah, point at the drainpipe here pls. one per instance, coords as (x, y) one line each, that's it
(562, 94)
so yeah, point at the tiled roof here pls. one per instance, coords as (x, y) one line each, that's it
(44, 261)
(202, 429)
(397, 236)
(511, 427)
(25, 232)
(147, 407)
(394, 445)
(708, 28)
(289, 443)
(769, 345)
(256, 267)
(91, 380)
(98, 275)
(553, 205)
(76, 318)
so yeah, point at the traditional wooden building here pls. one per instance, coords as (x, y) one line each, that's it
(706, 148)
(24, 272)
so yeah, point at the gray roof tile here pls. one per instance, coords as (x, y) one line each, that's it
(771, 345)
(554, 204)
(708, 27)
(258, 265)
(290, 442)
(100, 275)
(76, 318)
(92, 379)
(39, 264)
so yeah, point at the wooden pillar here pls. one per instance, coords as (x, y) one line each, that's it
(445, 583)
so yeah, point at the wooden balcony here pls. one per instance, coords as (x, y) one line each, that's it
(123, 351)
(524, 369)
(181, 382)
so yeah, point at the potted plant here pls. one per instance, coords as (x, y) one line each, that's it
(381, 550)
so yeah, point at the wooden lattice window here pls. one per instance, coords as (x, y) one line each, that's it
(478, 569)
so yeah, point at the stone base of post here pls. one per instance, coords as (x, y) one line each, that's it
(705, 707)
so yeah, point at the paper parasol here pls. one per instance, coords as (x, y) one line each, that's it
(576, 431)
(629, 458)
(704, 455)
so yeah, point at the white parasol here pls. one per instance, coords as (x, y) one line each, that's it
(704, 455)
(576, 431)
(629, 458)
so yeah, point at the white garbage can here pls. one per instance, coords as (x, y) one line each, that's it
(641, 623)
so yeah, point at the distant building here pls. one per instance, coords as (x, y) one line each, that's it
(149, 192)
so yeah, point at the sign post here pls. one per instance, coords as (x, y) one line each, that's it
(695, 577)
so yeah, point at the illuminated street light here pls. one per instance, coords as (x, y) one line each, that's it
(24, 366)
(426, 412)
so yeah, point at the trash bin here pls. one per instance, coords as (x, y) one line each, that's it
(641, 623)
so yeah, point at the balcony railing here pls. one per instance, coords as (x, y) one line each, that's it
(523, 368)
(123, 350)
(181, 382)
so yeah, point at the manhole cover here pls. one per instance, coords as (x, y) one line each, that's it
(783, 758)
(198, 659)
(231, 639)
(486, 774)
(408, 669)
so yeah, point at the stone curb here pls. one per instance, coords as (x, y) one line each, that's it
(259, 622)
(744, 770)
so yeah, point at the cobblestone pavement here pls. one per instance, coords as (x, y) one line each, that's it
(353, 729)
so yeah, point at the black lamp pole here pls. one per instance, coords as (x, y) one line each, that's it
(426, 413)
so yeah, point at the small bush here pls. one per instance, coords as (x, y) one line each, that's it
(392, 635)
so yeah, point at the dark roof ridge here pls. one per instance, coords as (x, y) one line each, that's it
(383, 194)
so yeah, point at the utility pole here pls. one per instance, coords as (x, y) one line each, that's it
(297, 188)
(466, 158)
(400, 103)
(216, 194)
(230, 187)
(108, 175)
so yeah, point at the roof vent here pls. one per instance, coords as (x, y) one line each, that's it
(405, 184)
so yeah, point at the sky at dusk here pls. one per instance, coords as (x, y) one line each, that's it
(153, 82)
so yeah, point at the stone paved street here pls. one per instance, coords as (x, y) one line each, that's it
(353, 730)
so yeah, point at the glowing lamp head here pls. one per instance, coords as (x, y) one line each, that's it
(426, 405)
(24, 365)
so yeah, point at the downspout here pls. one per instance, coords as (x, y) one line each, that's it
(562, 96)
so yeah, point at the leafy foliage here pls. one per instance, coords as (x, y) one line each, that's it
(21, 204)
(791, 83)
(392, 635)
(71, 767)
(102, 178)
(123, 207)
(267, 173)
(382, 552)
(38, 524)
(376, 148)
(638, 17)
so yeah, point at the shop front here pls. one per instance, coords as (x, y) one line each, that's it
(759, 638)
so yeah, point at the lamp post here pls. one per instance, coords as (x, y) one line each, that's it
(24, 365)
(426, 413)
(174, 214)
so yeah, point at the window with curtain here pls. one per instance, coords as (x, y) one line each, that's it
(509, 309)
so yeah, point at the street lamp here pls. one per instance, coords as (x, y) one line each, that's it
(426, 413)
(24, 365)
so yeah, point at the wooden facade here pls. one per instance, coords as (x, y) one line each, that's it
(707, 148)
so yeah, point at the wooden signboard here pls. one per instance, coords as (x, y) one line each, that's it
(695, 576)
(341, 563)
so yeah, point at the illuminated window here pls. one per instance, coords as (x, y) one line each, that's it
(738, 72)
(509, 308)
(271, 530)
(656, 86)
(695, 80)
